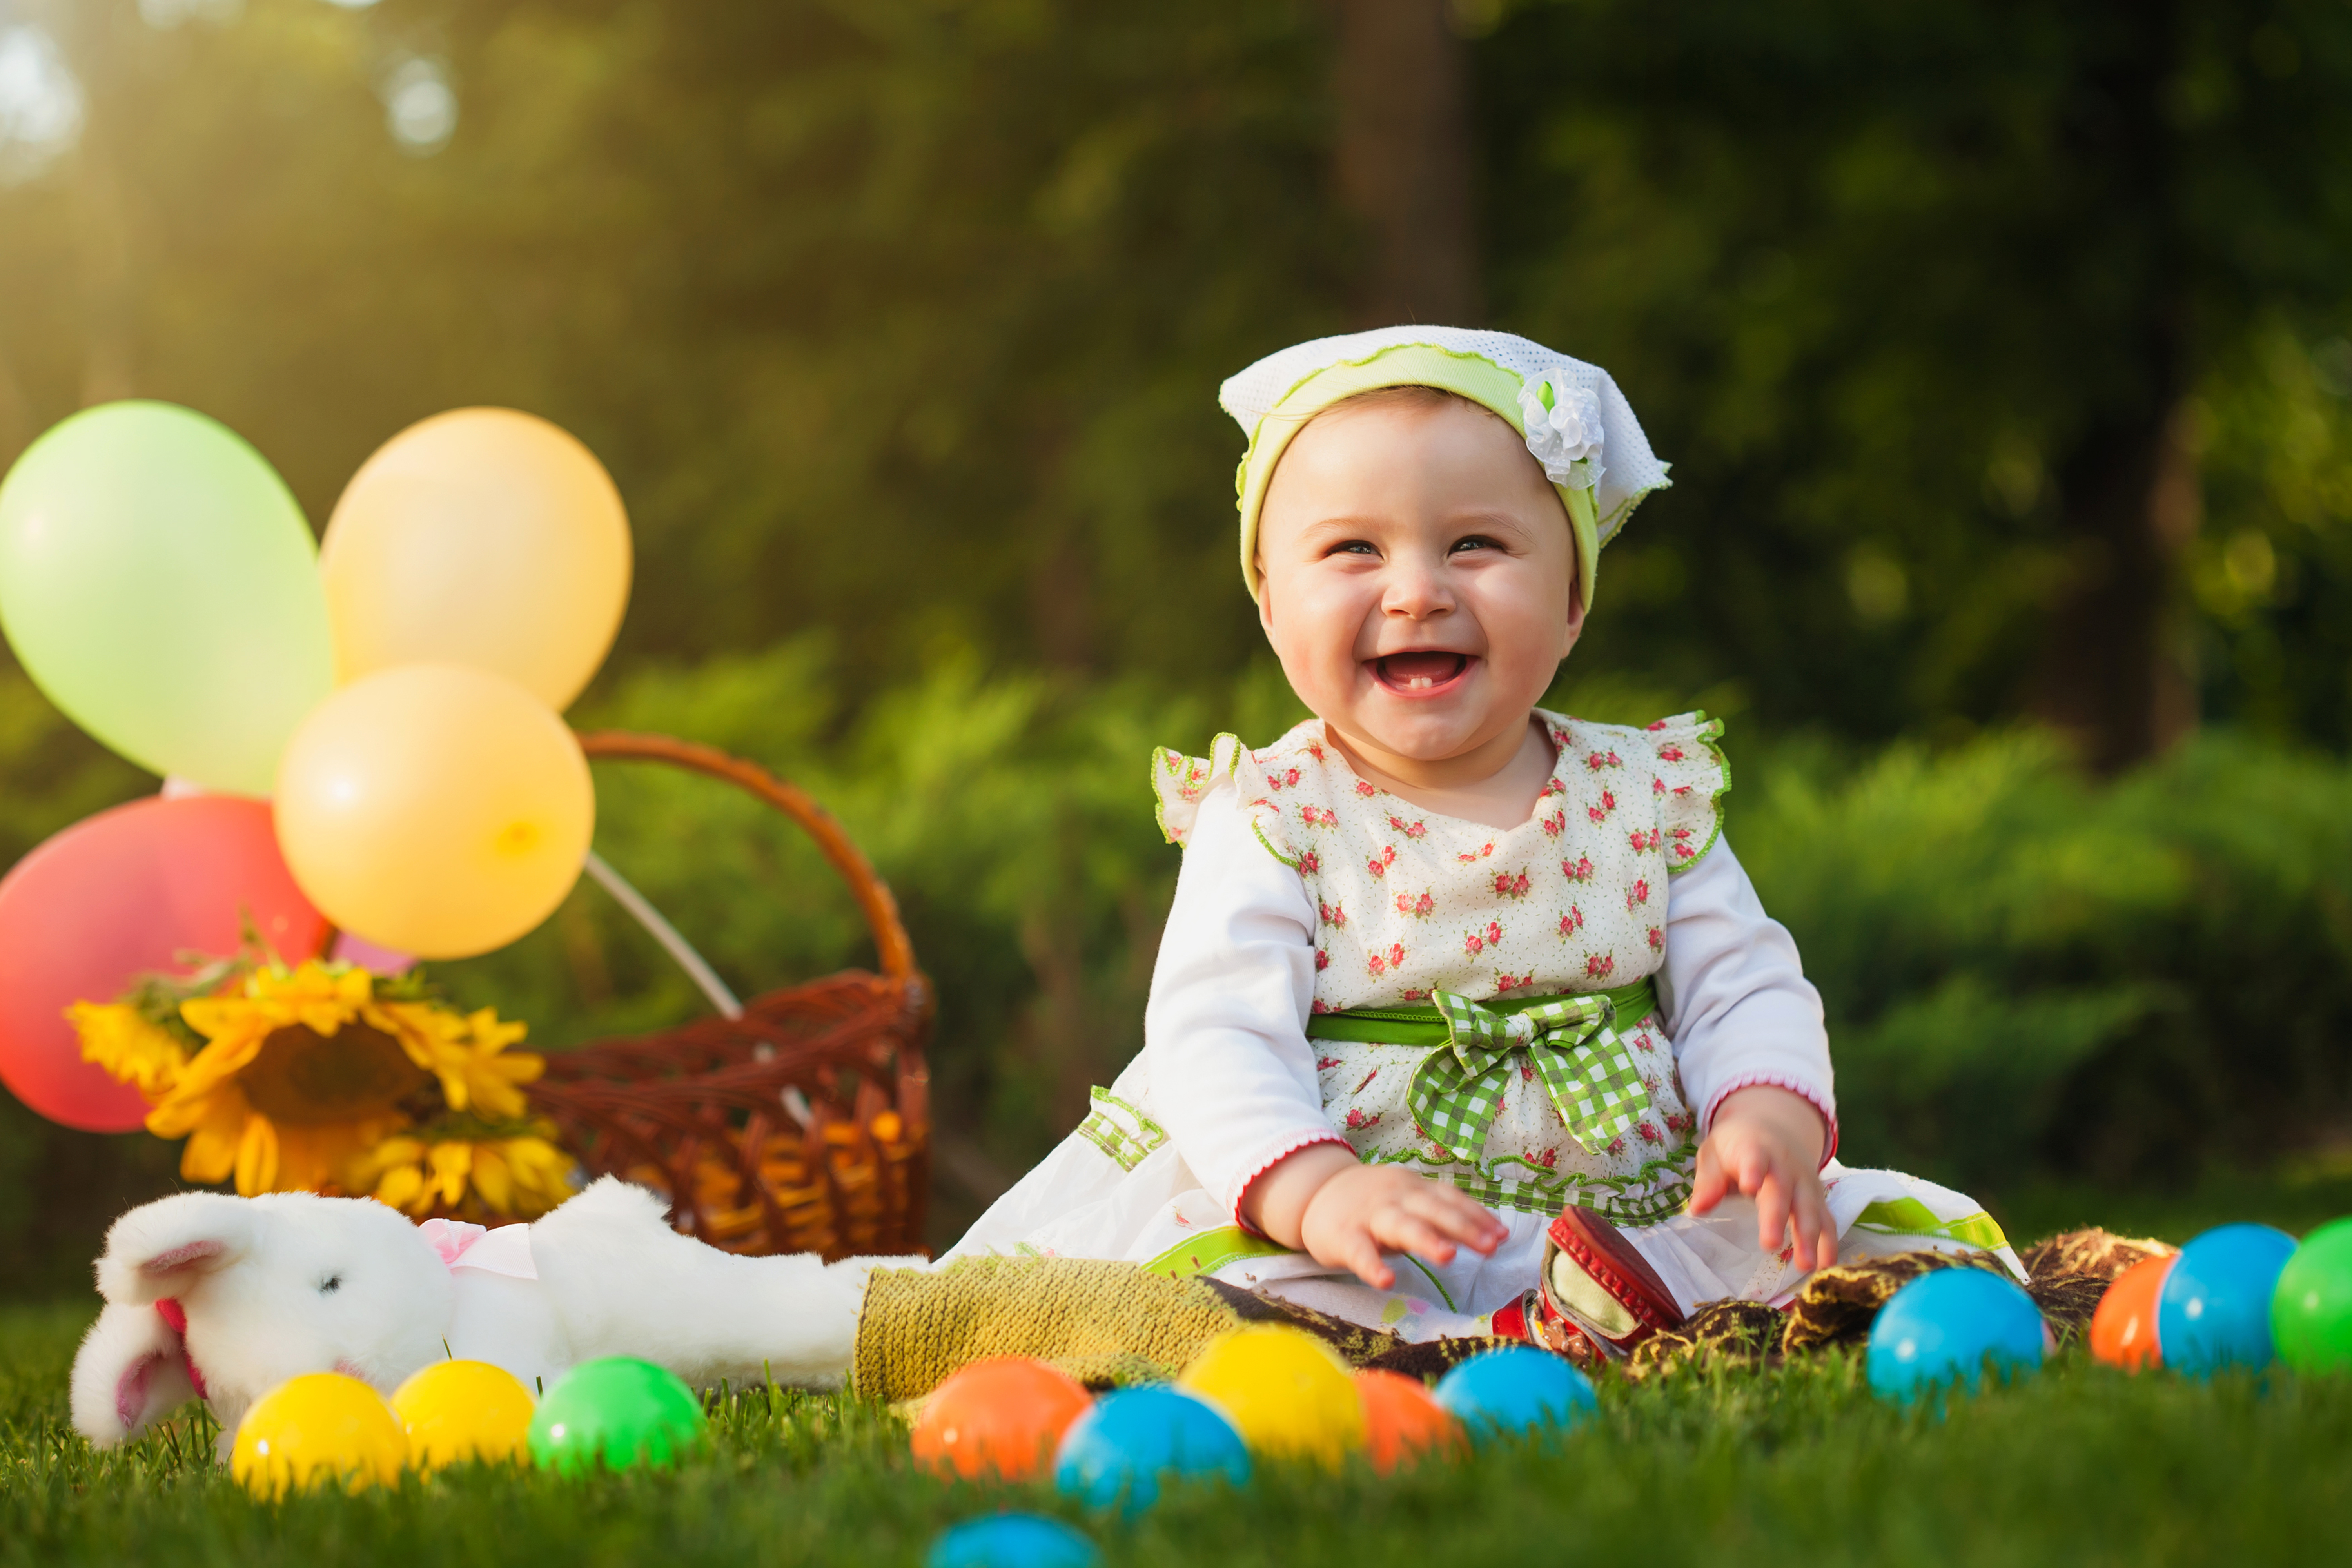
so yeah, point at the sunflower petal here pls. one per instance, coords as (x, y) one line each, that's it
(402, 1187)
(257, 1157)
(492, 1179)
(453, 1160)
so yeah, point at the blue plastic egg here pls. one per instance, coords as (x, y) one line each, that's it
(1013, 1540)
(1507, 1393)
(2215, 1308)
(1119, 1452)
(1948, 1327)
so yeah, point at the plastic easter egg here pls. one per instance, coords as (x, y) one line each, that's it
(1510, 1393)
(1403, 1421)
(319, 1430)
(2311, 1310)
(459, 1410)
(618, 1412)
(1948, 1327)
(1001, 1418)
(2215, 1308)
(1013, 1540)
(2123, 1331)
(1119, 1453)
(1284, 1390)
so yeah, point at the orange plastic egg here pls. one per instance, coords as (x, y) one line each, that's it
(1000, 1418)
(1403, 1421)
(2123, 1331)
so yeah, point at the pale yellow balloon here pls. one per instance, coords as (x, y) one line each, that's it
(435, 810)
(483, 537)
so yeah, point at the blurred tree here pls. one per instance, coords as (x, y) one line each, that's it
(1934, 302)
(1401, 88)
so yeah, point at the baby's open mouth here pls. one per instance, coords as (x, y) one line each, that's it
(1419, 673)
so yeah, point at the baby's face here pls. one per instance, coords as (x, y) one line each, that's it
(1418, 576)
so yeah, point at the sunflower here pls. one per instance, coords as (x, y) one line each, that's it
(522, 1174)
(299, 1074)
(119, 1037)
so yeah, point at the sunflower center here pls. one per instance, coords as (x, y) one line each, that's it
(303, 1076)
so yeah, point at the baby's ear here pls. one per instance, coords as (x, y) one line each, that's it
(161, 1249)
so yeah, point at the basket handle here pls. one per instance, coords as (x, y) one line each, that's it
(892, 949)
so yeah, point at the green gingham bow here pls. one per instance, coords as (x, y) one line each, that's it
(1570, 1041)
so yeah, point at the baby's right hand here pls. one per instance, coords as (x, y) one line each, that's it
(1322, 1201)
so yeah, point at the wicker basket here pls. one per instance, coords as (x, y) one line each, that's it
(803, 1125)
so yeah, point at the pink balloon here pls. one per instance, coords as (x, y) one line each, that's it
(376, 960)
(115, 896)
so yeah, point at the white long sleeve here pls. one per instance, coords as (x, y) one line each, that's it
(1734, 996)
(1232, 1077)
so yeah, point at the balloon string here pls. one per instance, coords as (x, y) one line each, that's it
(662, 931)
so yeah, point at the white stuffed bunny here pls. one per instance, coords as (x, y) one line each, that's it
(226, 1298)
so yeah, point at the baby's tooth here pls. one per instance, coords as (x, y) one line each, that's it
(1420, 683)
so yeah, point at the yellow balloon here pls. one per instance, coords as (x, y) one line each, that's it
(321, 1428)
(1284, 1390)
(458, 1410)
(434, 810)
(483, 537)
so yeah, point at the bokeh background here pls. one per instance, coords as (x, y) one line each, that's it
(2002, 351)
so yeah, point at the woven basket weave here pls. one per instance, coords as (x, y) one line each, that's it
(801, 1126)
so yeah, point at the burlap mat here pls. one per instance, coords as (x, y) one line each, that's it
(1105, 1324)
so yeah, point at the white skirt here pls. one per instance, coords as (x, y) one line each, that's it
(1148, 1208)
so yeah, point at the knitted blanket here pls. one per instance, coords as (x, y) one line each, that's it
(1105, 1324)
(1110, 1324)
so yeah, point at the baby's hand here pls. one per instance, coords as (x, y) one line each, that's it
(1766, 1144)
(1346, 1214)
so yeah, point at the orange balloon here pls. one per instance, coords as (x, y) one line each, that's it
(435, 810)
(2123, 1331)
(1403, 1421)
(1001, 1418)
(482, 537)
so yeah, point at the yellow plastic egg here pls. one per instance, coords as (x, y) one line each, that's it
(459, 1410)
(319, 1430)
(1284, 1390)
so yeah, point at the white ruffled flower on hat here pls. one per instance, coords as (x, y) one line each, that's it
(1563, 431)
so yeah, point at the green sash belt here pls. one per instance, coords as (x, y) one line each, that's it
(1426, 1026)
(1570, 1042)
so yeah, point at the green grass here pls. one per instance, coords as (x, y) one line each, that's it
(2079, 1465)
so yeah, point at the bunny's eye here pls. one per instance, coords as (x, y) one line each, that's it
(331, 1284)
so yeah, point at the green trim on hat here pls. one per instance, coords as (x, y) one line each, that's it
(1472, 376)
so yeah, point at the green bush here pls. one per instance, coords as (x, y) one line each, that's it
(2029, 976)
(2027, 973)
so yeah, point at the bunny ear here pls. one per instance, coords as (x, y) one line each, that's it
(159, 1250)
(130, 1372)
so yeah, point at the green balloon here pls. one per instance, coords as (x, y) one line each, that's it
(159, 584)
(2310, 1311)
(618, 1412)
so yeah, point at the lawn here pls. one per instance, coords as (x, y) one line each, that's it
(2080, 1464)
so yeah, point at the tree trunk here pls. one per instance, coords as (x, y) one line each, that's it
(1402, 83)
(15, 413)
(2116, 665)
(2117, 675)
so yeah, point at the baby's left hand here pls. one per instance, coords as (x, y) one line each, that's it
(1766, 1144)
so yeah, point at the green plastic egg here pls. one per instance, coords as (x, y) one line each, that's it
(619, 1413)
(2311, 1310)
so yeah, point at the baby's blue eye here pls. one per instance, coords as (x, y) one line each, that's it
(1475, 541)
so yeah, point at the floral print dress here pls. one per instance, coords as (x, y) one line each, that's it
(1574, 900)
(1390, 906)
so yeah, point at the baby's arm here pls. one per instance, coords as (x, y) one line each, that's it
(1232, 1073)
(1753, 1056)
(1324, 1202)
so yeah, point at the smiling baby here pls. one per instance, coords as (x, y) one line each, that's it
(1465, 1019)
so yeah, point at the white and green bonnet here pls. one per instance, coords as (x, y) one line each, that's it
(1575, 421)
